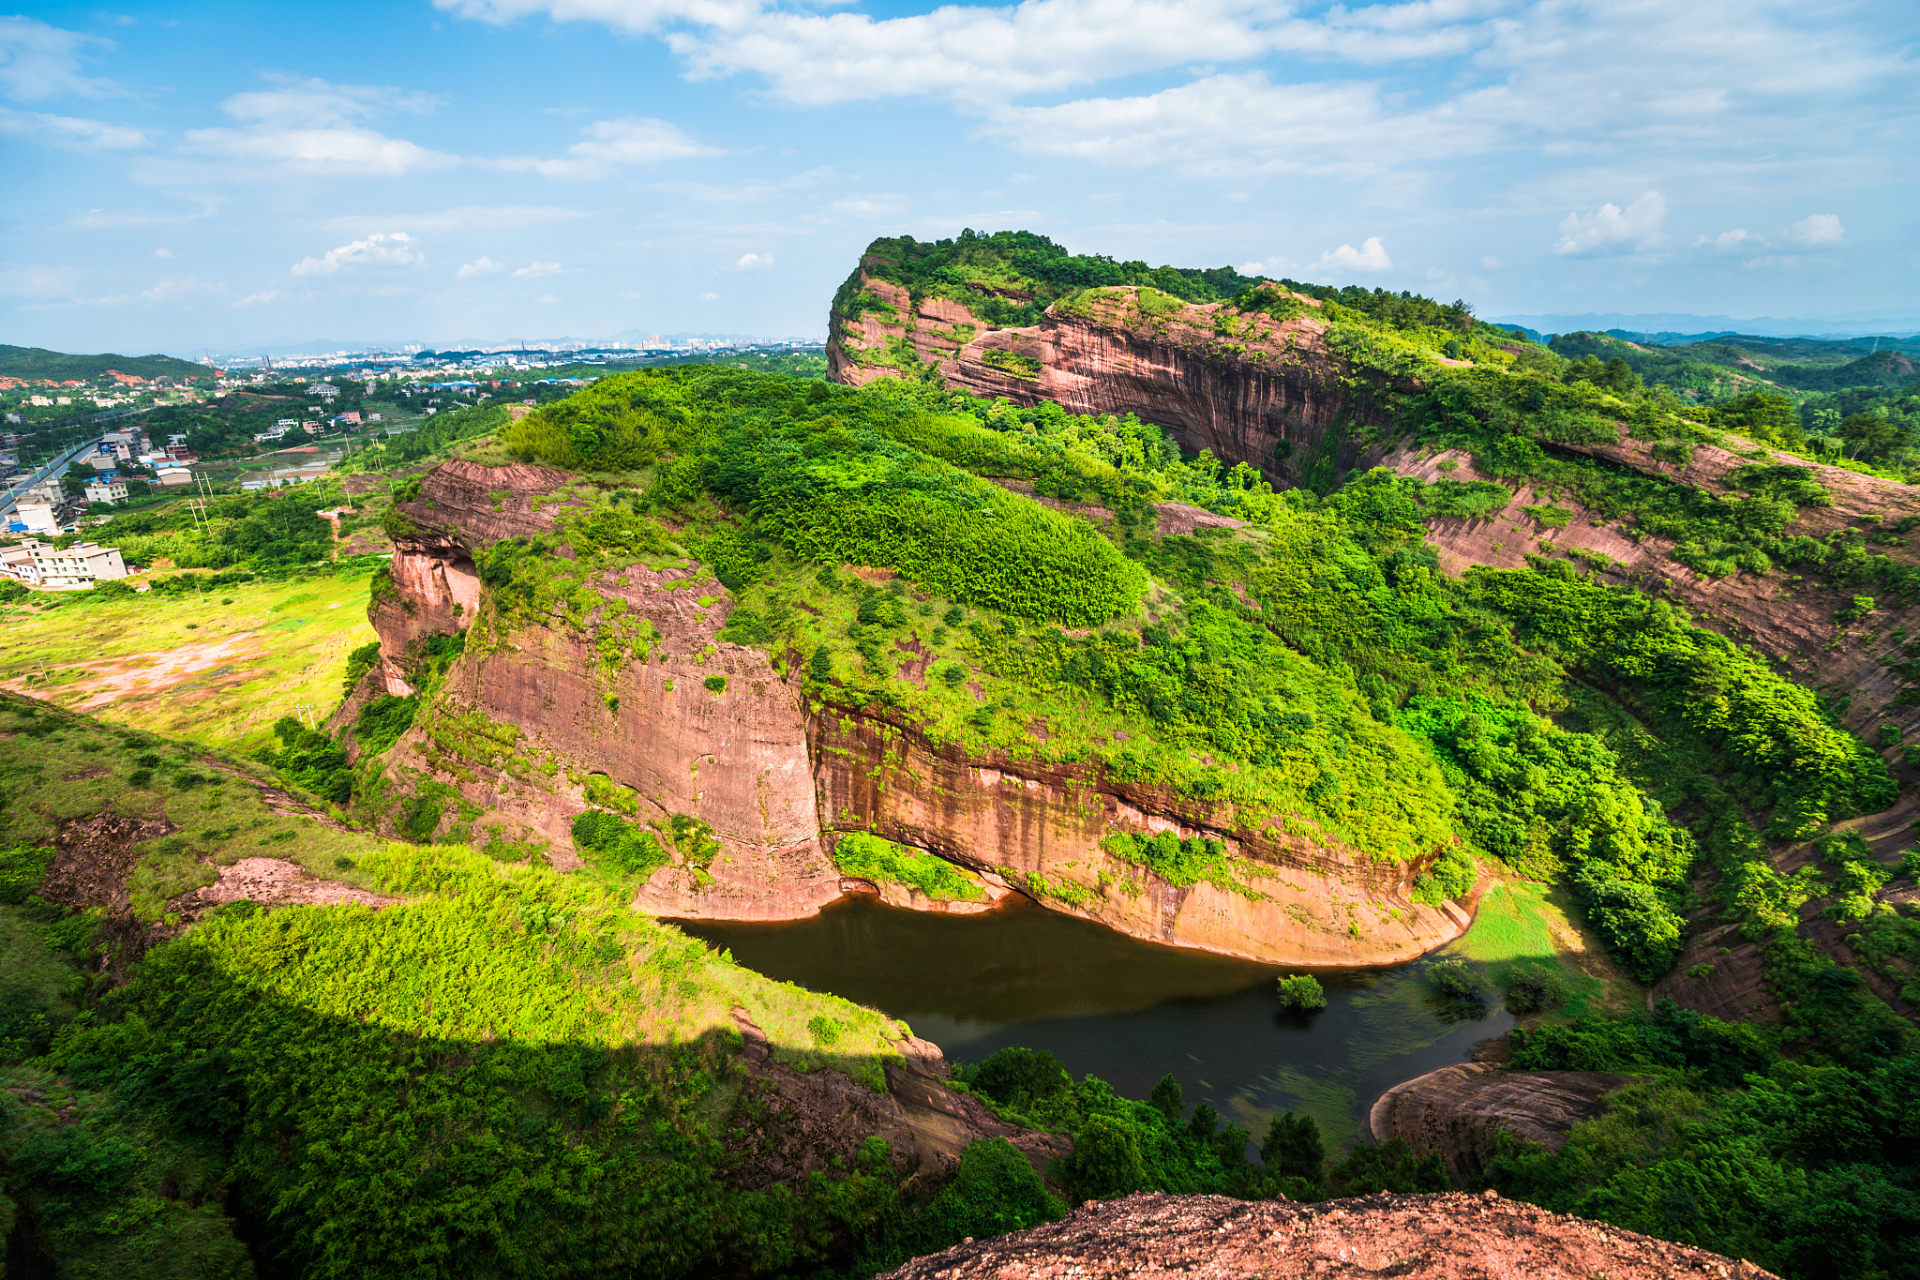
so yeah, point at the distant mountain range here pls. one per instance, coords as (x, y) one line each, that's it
(1668, 327)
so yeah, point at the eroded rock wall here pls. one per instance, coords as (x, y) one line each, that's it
(1250, 388)
(1041, 829)
(534, 709)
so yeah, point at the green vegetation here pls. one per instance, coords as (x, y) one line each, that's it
(1301, 991)
(1009, 278)
(1804, 1165)
(504, 1071)
(40, 364)
(868, 857)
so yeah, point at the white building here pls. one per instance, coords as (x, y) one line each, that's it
(325, 390)
(35, 515)
(101, 461)
(107, 490)
(80, 565)
(172, 476)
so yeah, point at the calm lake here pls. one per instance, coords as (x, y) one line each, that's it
(1129, 1012)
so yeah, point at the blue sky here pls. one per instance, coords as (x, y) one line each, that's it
(434, 170)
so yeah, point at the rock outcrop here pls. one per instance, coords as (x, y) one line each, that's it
(638, 702)
(1436, 1237)
(1251, 388)
(1460, 1111)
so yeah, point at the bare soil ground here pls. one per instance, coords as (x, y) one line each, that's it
(1436, 1237)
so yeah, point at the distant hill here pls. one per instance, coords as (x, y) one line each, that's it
(58, 366)
(1668, 328)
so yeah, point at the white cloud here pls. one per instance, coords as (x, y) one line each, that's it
(548, 298)
(1818, 230)
(751, 191)
(1370, 256)
(325, 152)
(163, 253)
(312, 102)
(1611, 228)
(396, 249)
(38, 61)
(37, 282)
(753, 262)
(636, 17)
(312, 126)
(1235, 124)
(1738, 240)
(481, 266)
(541, 269)
(468, 217)
(260, 299)
(1491, 263)
(70, 131)
(709, 297)
(610, 144)
(169, 290)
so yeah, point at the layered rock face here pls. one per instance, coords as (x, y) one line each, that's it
(1437, 1237)
(1788, 619)
(1460, 1111)
(1250, 388)
(538, 714)
(1042, 827)
(531, 713)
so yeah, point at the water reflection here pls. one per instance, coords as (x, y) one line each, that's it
(1126, 1011)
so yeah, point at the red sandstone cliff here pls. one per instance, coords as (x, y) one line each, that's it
(1251, 388)
(532, 710)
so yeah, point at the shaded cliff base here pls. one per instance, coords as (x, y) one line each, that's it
(1446, 1237)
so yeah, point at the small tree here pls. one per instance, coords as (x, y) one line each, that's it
(1302, 991)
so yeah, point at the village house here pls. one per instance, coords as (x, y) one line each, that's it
(80, 565)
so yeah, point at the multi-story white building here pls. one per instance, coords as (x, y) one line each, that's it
(108, 489)
(35, 515)
(80, 565)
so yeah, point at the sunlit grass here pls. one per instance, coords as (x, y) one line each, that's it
(240, 665)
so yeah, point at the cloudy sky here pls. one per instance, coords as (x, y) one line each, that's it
(429, 170)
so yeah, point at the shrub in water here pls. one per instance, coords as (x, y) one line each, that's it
(1302, 991)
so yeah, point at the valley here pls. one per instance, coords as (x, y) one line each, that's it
(780, 825)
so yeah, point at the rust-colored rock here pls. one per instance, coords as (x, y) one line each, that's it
(532, 710)
(1437, 1237)
(1312, 903)
(1250, 388)
(1460, 1111)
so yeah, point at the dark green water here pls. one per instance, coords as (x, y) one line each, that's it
(1129, 1012)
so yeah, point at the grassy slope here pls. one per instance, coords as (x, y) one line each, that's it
(38, 362)
(454, 1022)
(285, 643)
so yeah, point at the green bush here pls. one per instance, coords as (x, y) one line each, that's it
(1301, 991)
(608, 841)
(1455, 979)
(868, 857)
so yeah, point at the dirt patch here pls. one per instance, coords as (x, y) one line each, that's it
(1442, 1237)
(140, 675)
(1085, 510)
(1177, 519)
(914, 666)
(811, 1119)
(274, 882)
(93, 859)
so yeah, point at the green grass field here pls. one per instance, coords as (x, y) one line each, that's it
(1520, 922)
(217, 669)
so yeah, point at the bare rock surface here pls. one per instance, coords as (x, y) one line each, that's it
(1460, 1111)
(807, 1120)
(275, 882)
(1434, 1237)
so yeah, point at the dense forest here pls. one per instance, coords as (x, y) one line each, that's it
(509, 1073)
